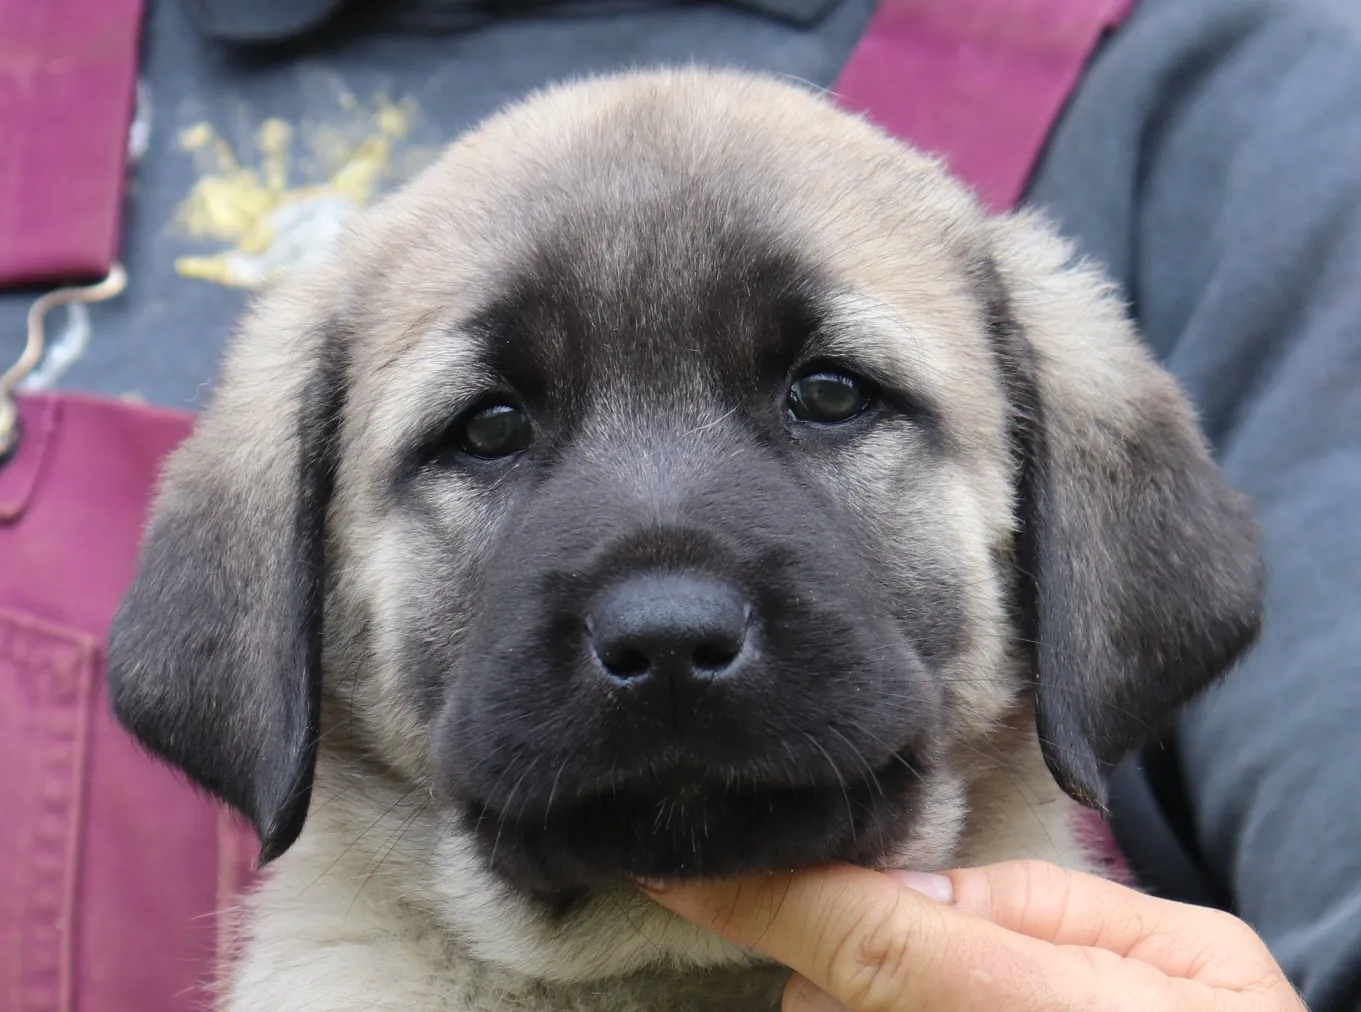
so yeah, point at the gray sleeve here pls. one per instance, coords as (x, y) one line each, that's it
(1212, 157)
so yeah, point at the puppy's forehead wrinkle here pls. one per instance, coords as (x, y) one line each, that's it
(687, 307)
(400, 407)
(870, 328)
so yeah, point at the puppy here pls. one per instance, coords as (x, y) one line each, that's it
(680, 478)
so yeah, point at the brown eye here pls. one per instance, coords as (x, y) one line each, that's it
(496, 431)
(828, 397)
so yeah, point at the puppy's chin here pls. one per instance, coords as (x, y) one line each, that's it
(674, 827)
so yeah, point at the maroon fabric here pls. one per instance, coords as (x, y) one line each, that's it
(110, 866)
(979, 82)
(67, 78)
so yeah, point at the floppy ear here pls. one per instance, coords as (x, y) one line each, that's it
(214, 654)
(1141, 569)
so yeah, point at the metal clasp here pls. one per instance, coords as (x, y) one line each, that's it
(112, 285)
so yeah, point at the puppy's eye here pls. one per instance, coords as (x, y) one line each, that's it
(495, 431)
(828, 397)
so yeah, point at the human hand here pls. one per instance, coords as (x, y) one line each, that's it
(1023, 936)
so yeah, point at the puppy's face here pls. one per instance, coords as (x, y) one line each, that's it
(682, 478)
(685, 548)
(687, 572)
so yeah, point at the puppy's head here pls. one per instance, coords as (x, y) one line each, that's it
(677, 479)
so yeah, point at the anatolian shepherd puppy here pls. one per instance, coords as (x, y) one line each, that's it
(680, 477)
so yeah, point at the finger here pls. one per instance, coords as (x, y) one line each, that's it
(802, 995)
(1065, 907)
(879, 949)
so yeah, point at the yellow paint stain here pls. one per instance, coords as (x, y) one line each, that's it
(357, 178)
(196, 137)
(273, 140)
(270, 225)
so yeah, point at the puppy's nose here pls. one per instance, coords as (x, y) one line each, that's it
(665, 641)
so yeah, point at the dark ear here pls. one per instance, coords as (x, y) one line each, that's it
(1140, 568)
(214, 655)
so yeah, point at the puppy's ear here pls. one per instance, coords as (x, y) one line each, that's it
(214, 654)
(1141, 570)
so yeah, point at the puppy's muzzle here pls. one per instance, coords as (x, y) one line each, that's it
(693, 684)
(667, 645)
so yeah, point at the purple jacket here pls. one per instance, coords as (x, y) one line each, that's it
(111, 867)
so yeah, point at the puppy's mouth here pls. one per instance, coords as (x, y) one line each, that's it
(673, 827)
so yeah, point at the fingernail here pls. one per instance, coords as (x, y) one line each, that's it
(649, 885)
(936, 887)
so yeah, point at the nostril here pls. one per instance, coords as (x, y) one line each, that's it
(625, 663)
(716, 656)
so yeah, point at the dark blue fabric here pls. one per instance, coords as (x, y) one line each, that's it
(260, 22)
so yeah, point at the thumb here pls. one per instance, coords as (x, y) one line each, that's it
(875, 944)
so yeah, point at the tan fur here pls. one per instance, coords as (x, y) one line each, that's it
(382, 905)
